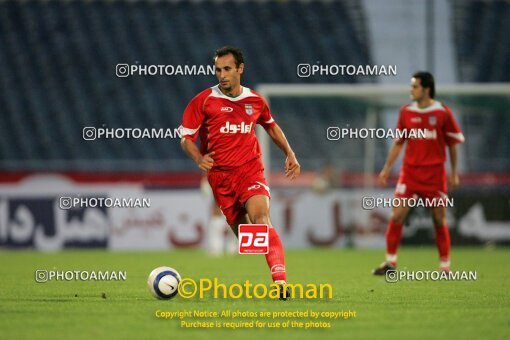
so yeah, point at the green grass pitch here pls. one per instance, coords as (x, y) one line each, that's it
(126, 310)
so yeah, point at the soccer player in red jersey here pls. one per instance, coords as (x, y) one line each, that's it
(423, 173)
(224, 116)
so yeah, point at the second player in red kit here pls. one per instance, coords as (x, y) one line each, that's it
(224, 118)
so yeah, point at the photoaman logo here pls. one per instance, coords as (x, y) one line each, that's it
(204, 287)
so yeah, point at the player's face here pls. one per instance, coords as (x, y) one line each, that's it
(228, 74)
(418, 93)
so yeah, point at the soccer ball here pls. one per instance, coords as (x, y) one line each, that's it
(163, 282)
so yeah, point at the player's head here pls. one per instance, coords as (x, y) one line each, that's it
(229, 65)
(422, 86)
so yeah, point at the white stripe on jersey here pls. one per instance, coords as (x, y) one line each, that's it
(264, 186)
(187, 132)
(456, 135)
(442, 194)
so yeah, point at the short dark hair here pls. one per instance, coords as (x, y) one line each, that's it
(236, 52)
(427, 80)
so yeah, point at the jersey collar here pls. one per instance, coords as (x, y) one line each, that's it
(245, 93)
(434, 107)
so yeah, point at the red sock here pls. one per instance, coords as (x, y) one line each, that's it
(393, 237)
(443, 245)
(275, 259)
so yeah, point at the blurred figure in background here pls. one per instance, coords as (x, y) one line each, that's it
(326, 179)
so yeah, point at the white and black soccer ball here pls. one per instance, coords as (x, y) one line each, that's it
(164, 282)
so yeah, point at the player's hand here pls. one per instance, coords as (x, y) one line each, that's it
(206, 162)
(383, 177)
(292, 167)
(453, 180)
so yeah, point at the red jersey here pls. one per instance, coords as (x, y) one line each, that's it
(440, 129)
(226, 125)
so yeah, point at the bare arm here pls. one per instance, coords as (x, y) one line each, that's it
(390, 160)
(454, 177)
(204, 162)
(292, 167)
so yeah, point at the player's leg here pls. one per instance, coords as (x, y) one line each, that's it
(394, 232)
(226, 203)
(393, 237)
(442, 236)
(253, 195)
(275, 257)
(257, 207)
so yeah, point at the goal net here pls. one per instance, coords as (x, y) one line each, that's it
(306, 112)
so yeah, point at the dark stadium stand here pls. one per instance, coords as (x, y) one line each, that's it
(58, 76)
(481, 31)
(58, 71)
